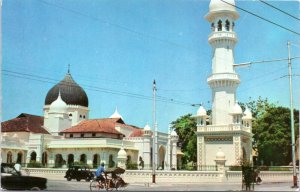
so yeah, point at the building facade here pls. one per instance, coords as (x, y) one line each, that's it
(65, 135)
(230, 129)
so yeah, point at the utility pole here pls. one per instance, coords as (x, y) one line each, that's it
(154, 133)
(289, 59)
(292, 116)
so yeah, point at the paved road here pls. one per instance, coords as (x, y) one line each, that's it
(60, 185)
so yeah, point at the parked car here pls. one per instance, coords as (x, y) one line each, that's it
(13, 180)
(78, 173)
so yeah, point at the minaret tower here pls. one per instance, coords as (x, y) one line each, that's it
(223, 81)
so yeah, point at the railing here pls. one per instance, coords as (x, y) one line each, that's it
(222, 34)
(230, 127)
(218, 76)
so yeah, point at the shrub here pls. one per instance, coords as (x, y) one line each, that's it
(34, 164)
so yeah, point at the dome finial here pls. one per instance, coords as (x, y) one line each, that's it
(69, 68)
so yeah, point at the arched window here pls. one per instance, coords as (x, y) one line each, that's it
(33, 156)
(232, 25)
(70, 159)
(213, 26)
(227, 25)
(111, 162)
(9, 157)
(220, 25)
(83, 158)
(58, 160)
(19, 157)
(96, 160)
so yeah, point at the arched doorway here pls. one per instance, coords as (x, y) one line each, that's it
(70, 160)
(9, 157)
(111, 162)
(33, 156)
(96, 160)
(44, 158)
(162, 153)
(58, 160)
(19, 157)
(244, 155)
(83, 158)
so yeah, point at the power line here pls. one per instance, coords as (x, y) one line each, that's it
(278, 25)
(279, 10)
(93, 88)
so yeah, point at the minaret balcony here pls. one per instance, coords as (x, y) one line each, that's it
(223, 128)
(222, 35)
(223, 79)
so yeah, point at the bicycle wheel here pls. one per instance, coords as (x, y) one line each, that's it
(94, 186)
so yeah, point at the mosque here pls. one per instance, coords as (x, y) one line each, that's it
(229, 133)
(65, 134)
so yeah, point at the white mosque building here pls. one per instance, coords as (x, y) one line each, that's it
(230, 129)
(65, 135)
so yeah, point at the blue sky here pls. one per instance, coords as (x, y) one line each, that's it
(121, 46)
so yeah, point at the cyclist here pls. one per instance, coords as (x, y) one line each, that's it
(99, 172)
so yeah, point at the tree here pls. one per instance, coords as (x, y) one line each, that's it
(185, 127)
(271, 131)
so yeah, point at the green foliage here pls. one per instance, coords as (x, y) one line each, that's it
(271, 131)
(185, 127)
(132, 166)
(34, 164)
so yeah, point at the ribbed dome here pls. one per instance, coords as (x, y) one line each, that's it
(147, 128)
(236, 109)
(248, 114)
(116, 114)
(58, 106)
(122, 154)
(70, 91)
(173, 133)
(201, 111)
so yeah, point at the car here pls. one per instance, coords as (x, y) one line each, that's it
(78, 173)
(11, 179)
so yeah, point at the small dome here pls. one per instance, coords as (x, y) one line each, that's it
(218, 5)
(247, 114)
(173, 133)
(58, 106)
(70, 91)
(147, 128)
(237, 109)
(116, 114)
(201, 111)
(220, 155)
(122, 153)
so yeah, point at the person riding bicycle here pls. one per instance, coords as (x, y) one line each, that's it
(99, 172)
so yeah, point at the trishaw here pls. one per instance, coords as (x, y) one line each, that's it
(113, 180)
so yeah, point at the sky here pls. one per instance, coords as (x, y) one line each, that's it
(116, 48)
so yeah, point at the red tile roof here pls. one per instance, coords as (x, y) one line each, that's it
(24, 123)
(95, 126)
(137, 133)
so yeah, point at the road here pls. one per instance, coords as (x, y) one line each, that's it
(61, 185)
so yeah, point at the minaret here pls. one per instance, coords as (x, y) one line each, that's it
(223, 81)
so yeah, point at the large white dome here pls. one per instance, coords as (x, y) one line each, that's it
(58, 106)
(218, 5)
